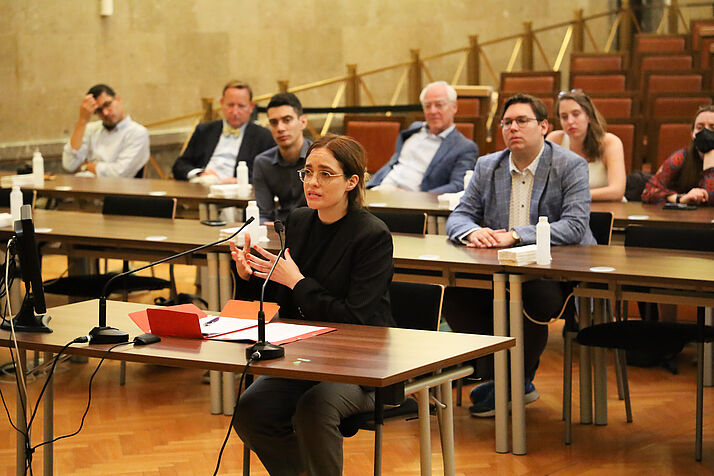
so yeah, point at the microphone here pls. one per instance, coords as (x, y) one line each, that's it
(263, 350)
(102, 334)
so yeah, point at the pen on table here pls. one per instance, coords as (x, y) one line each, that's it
(211, 321)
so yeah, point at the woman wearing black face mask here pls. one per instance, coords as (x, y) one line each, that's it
(687, 176)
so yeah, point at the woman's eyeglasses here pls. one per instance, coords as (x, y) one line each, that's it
(323, 176)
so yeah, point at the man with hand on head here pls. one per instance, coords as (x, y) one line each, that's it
(431, 156)
(509, 190)
(216, 147)
(116, 146)
(275, 171)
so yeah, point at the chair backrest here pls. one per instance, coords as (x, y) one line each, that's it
(663, 61)
(377, 134)
(665, 136)
(416, 305)
(698, 27)
(676, 104)
(706, 52)
(530, 82)
(468, 107)
(28, 197)
(667, 81)
(618, 104)
(601, 226)
(604, 81)
(591, 62)
(692, 239)
(466, 128)
(403, 222)
(645, 42)
(157, 207)
(630, 132)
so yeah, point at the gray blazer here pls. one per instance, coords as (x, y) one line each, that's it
(560, 191)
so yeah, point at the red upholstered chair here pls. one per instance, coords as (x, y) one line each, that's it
(699, 28)
(674, 81)
(594, 62)
(613, 105)
(466, 128)
(377, 134)
(603, 81)
(544, 82)
(663, 62)
(630, 132)
(706, 51)
(666, 136)
(658, 43)
(468, 107)
(675, 104)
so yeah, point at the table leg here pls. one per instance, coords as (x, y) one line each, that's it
(447, 429)
(229, 392)
(708, 380)
(378, 426)
(216, 391)
(424, 432)
(586, 389)
(48, 422)
(441, 225)
(500, 328)
(599, 369)
(20, 418)
(431, 225)
(518, 404)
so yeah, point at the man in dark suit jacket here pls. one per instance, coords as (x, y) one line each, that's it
(216, 147)
(431, 156)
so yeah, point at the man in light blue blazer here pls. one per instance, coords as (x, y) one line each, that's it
(509, 190)
(431, 156)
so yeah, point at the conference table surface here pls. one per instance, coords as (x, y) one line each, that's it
(362, 355)
(430, 252)
(65, 186)
(626, 213)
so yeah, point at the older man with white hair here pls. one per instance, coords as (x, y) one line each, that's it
(431, 156)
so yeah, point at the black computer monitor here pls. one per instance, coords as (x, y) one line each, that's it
(32, 316)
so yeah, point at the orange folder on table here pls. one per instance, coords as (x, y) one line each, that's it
(236, 322)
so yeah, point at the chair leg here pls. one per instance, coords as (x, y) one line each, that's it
(246, 460)
(618, 376)
(621, 365)
(459, 390)
(568, 385)
(700, 398)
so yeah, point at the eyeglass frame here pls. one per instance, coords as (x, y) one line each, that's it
(517, 120)
(326, 176)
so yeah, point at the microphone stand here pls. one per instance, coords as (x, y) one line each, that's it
(263, 350)
(103, 334)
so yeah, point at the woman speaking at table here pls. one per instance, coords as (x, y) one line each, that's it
(687, 176)
(337, 268)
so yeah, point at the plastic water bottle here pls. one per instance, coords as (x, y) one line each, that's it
(543, 241)
(242, 173)
(15, 202)
(38, 169)
(467, 178)
(252, 210)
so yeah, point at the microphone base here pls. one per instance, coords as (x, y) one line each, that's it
(107, 335)
(265, 351)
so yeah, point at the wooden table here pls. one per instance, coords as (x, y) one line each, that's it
(638, 213)
(362, 355)
(431, 258)
(687, 277)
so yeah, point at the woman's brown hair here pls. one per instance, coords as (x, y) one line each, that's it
(350, 154)
(691, 172)
(594, 143)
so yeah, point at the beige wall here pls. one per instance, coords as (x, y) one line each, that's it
(163, 55)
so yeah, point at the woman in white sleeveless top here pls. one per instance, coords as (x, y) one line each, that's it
(584, 133)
